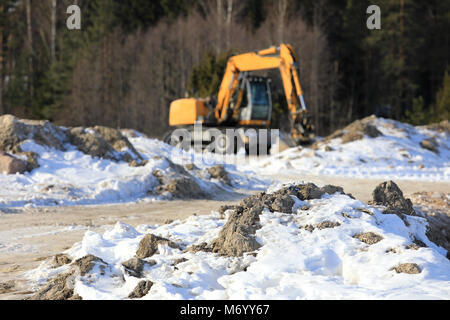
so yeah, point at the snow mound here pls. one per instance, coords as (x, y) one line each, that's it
(79, 166)
(350, 251)
(372, 148)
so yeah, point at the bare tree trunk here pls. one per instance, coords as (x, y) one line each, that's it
(30, 46)
(53, 29)
(219, 25)
(228, 22)
(282, 9)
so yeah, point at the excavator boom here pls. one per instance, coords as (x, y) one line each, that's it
(244, 100)
(282, 58)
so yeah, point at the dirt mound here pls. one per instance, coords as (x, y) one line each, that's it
(354, 131)
(238, 234)
(177, 182)
(141, 289)
(388, 194)
(61, 287)
(149, 245)
(14, 131)
(103, 142)
(135, 266)
(443, 126)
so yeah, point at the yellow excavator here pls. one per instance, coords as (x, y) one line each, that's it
(244, 100)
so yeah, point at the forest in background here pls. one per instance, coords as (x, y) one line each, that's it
(132, 58)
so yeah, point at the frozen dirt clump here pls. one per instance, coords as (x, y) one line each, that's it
(409, 268)
(178, 183)
(388, 194)
(238, 235)
(148, 246)
(430, 144)
(135, 266)
(182, 188)
(218, 172)
(88, 262)
(103, 142)
(60, 260)
(368, 237)
(61, 287)
(141, 289)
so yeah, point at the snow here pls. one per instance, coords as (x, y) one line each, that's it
(73, 178)
(396, 154)
(292, 263)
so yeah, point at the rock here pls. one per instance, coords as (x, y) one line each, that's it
(409, 268)
(327, 225)
(368, 237)
(430, 144)
(135, 266)
(11, 165)
(149, 245)
(88, 262)
(141, 289)
(328, 148)
(388, 194)
(61, 259)
(218, 172)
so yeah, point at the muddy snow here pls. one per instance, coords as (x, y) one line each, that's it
(358, 253)
(373, 148)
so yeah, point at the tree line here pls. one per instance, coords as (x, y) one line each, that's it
(132, 58)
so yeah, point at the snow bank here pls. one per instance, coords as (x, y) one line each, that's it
(396, 154)
(293, 262)
(71, 177)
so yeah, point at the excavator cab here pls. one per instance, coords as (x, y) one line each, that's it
(256, 102)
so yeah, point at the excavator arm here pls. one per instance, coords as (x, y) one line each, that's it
(282, 58)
